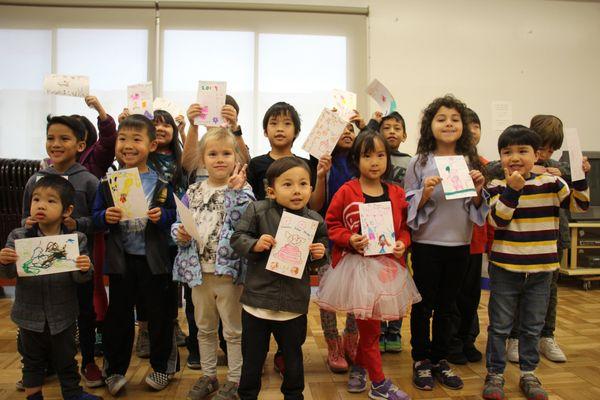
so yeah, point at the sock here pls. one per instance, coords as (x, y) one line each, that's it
(523, 373)
(36, 396)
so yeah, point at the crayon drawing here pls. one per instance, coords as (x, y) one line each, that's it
(67, 85)
(47, 255)
(127, 193)
(377, 223)
(139, 99)
(325, 134)
(382, 96)
(456, 181)
(345, 103)
(211, 97)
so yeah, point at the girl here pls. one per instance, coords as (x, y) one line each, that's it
(373, 288)
(442, 232)
(209, 265)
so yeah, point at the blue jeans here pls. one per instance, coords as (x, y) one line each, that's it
(509, 290)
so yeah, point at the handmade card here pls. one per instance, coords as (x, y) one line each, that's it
(456, 181)
(128, 193)
(345, 103)
(325, 134)
(67, 85)
(46, 255)
(187, 219)
(377, 223)
(139, 99)
(294, 236)
(575, 155)
(161, 103)
(211, 97)
(382, 96)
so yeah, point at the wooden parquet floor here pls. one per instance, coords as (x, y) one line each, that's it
(578, 333)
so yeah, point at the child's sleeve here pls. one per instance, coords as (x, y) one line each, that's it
(246, 234)
(86, 224)
(175, 226)
(413, 185)
(99, 209)
(478, 215)
(104, 150)
(79, 276)
(503, 203)
(27, 198)
(575, 200)
(9, 271)
(338, 233)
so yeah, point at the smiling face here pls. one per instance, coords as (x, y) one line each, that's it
(347, 139)
(519, 158)
(133, 147)
(372, 165)
(545, 152)
(46, 206)
(446, 126)
(280, 131)
(219, 160)
(62, 146)
(164, 134)
(291, 189)
(393, 132)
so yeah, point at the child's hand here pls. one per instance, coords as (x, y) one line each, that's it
(229, 114)
(83, 263)
(586, 165)
(154, 214)
(399, 249)
(324, 166)
(359, 242)
(182, 234)
(429, 184)
(264, 243)
(113, 215)
(357, 120)
(180, 122)
(539, 170)
(317, 250)
(70, 223)
(478, 180)
(515, 181)
(92, 101)
(123, 115)
(553, 171)
(377, 116)
(29, 222)
(8, 256)
(237, 180)
(194, 111)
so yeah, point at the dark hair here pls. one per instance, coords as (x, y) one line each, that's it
(72, 123)
(519, 135)
(464, 145)
(471, 117)
(365, 144)
(550, 129)
(229, 100)
(175, 146)
(138, 122)
(396, 116)
(63, 187)
(282, 108)
(278, 167)
(91, 135)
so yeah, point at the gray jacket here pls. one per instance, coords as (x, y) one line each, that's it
(45, 298)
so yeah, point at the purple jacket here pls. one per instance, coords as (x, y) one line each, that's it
(99, 156)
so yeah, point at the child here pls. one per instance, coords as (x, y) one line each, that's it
(65, 140)
(525, 217)
(138, 263)
(210, 267)
(45, 307)
(373, 288)
(442, 231)
(274, 303)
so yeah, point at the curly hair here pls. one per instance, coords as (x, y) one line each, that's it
(464, 145)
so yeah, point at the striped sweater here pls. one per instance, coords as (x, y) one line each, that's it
(526, 222)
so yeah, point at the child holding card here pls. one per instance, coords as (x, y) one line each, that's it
(442, 231)
(47, 322)
(208, 265)
(272, 302)
(373, 288)
(138, 262)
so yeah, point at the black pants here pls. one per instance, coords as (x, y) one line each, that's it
(290, 335)
(39, 349)
(86, 321)
(192, 339)
(119, 324)
(438, 274)
(465, 318)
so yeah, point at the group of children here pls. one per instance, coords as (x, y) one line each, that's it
(237, 204)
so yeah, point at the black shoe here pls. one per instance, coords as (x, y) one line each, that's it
(472, 354)
(457, 358)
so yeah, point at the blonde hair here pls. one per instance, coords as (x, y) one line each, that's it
(222, 135)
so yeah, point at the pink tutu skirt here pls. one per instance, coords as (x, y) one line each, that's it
(376, 287)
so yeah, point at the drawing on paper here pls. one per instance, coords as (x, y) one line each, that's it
(377, 223)
(47, 255)
(345, 103)
(382, 96)
(211, 97)
(139, 99)
(325, 134)
(456, 181)
(127, 193)
(67, 85)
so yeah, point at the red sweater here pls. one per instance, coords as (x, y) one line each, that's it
(343, 219)
(479, 238)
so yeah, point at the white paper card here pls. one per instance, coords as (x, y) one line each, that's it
(382, 96)
(325, 134)
(377, 223)
(127, 193)
(575, 156)
(67, 85)
(345, 103)
(211, 97)
(139, 99)
(456, 181)
(47, 255)
(294, 236)
(502, 115)
(187, 219)
(161, 103)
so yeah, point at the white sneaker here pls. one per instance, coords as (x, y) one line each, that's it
(512, 350)
(549, 348)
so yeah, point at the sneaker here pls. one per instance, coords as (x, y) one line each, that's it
(203, 387)
(382, 343)
(115, 383)
(227, 392)
(158, 380)
(180, 337)
(350, 343)
(512, 350)
(549, 348)
(472, 354)
(393, 342)
(92, 377)
(422, 378)
(279, 363)
(532, 387)
(335, 359)
(193, 362)
(457, 358)
(446, 376)
(84, 396)
(142, 346)
(357, 379)
(19, 385)
(493, 388)
(387, 390)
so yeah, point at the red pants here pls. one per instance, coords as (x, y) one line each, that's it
(368, 355)
(100, 298)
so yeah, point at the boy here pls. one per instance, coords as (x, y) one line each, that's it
(45, 307)
(138, 263)
(275, 303)
(524, 213)
(65, 141)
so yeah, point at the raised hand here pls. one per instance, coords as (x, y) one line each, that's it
(324, 166)
(92, 101)
(237, 180)
(515, 180)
